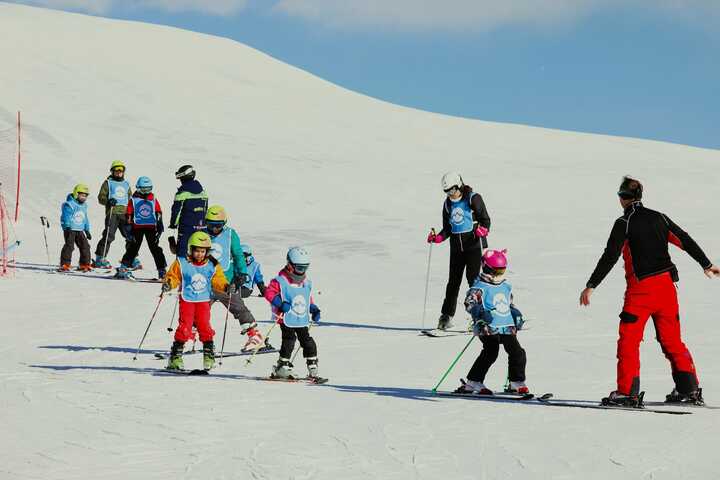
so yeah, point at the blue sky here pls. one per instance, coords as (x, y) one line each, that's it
(640, 68)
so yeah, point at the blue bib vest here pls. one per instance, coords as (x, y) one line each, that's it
(461, 215)
(299, 297)
(78, 218)
(221, 248)
(196, 284)
(143, 212)
(252, 270)
(496, 302)
(118, 191)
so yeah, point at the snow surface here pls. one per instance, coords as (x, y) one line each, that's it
(297, 160)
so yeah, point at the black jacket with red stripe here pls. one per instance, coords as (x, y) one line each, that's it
(642, 236)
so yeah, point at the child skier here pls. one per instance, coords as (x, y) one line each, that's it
(227, 251)
(290, 294)
(144, 220)
(496, 321)
(76, 229)
(114, 194)
(198, 275)
(254, 273)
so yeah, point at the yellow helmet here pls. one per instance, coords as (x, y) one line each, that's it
(200, 240)
(117, 164)
(216, 213)
(80, 188)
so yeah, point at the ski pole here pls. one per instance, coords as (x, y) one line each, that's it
(267, 335)
(172, 319)
(227, 314)
(453, 364)
(427, 279)
(46, 226)
(292, 360)
(148, 327)
(107, 233)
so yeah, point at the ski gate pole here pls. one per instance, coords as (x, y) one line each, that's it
(427, 280)
(148, 327)
(434, 390)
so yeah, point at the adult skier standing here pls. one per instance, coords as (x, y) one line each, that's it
(466, 223)
(114, 194)
(188, 209)
(642, 236)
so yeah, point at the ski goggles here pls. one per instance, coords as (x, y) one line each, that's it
(300, 269)
(215, 225)
(145, 190)
(451, 190)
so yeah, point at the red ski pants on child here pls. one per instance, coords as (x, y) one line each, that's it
(654, 297)
(194, 313)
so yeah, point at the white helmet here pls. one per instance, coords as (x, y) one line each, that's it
(450, 180)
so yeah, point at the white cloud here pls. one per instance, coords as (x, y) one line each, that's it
(474, 14)
(213, 7)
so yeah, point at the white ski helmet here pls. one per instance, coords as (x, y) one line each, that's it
(450, 180)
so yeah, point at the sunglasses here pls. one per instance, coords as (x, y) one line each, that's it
(626, 195)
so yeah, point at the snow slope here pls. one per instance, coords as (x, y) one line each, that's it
(297, 160)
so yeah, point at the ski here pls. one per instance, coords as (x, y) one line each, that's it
(597, 406)
(500, 396)
(164, 356)
(310, 380)
(194, 372)
(436, 333)
(681, 405)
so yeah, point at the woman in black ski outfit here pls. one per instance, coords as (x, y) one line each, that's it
(466, 222)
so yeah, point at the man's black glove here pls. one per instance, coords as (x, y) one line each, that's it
(112, 202)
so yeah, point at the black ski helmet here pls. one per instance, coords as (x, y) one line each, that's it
(186, 172)
(630, 188)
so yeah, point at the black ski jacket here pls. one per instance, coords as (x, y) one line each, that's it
(642, 236)
(466, 241)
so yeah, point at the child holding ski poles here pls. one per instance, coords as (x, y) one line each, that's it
(496, 321)
(290, 294)
(76, 229)
(197, 275)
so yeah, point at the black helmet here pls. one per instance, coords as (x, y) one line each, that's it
(630, 188)
(186, 172)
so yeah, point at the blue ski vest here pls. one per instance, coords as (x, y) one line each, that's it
(461, 215)
(196, 281)
(221, 248)
(252, 271)
(144, 211)
(496, 302)
(74, 215)
(118, 191)
(299, 297)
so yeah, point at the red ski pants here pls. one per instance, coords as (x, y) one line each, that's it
(654, 297)
(197, 314)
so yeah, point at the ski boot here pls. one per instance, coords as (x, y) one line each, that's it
(283, 369)
(85, 268)
(101, 262)
(161, 273)
(617, 399)
(255, 340)
(208, 355)
(136, 265)
(471, 386)
(517, 387)
(176, 361)
(444, 322)
(123, 273)
(693, 398)
(312, 366)
(65, 267)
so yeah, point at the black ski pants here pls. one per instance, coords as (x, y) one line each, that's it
(113, 223)
(73, 238)
(288, 342)
(468, 261)
(491, 348)
(133, 247)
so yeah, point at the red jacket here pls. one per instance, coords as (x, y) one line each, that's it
(273, 290)
(131, 212)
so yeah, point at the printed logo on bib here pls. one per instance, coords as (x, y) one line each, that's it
(198, 283)
(299, 306)
(79, 216)
(120, 193)
(457, 216)
(145, 211)
(216, 251)
(501, 304)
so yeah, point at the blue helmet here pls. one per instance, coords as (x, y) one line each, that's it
(299, 259)
(144, 185)
(247, 251)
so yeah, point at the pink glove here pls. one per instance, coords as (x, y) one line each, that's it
(481, 232)
(435, 238)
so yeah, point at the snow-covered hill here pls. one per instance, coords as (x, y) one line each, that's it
(297, 160)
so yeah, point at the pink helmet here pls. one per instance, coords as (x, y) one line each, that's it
(495, 262)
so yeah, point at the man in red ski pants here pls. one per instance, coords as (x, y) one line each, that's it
(642, 237)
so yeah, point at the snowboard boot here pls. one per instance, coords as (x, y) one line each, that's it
(693, 398)
(444, 322)
(123, 273)
(176, 361)
(617, 399)
(136, 265)
(255, 340)
(208, 355)
(65, 267)
(85, 268)
(472, 386)
(312, 366)
(518, 387)
(283, 369)
(101, 262)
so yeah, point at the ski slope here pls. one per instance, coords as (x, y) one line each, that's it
(297, 160)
